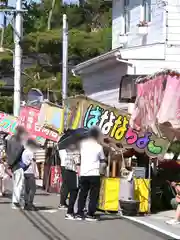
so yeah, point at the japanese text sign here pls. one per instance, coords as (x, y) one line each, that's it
(29, 119)
(114, 123)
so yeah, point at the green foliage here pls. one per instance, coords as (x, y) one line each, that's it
(6, 104)
(89, 36)
(6, 60)
(175, 147)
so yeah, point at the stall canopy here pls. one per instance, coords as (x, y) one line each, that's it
(83, 112)
(158, 104)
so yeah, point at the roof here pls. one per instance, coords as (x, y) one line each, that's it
(92, 61)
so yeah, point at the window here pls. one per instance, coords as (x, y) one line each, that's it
(147, 10)
(126, 16)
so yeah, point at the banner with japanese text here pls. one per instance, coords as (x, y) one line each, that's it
(84, 112)
(29, 119)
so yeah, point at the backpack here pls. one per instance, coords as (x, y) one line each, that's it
(14, 150)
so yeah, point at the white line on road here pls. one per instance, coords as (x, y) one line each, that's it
(49, 211)
(170, 234)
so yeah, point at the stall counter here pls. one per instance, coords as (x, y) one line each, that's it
(109, 194)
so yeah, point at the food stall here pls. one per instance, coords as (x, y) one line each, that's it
(157, 108)
(83, 112)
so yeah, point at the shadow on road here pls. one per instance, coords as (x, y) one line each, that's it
(43, 225)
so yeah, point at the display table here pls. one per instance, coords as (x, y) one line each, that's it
(109, 194)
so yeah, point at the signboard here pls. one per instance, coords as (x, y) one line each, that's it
(52, 116)
(8, 125)
(29, 119)
(114, 123)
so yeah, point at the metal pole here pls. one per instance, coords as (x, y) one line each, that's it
(17, 58)
(65, 58)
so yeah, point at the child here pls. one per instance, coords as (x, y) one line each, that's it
(30, 174)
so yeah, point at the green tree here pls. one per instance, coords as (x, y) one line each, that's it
(89, 36)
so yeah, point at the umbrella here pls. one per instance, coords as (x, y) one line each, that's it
(72, 137)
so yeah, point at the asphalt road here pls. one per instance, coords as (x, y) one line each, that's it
(49, 224)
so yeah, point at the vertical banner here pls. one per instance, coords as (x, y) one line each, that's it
(55, 179)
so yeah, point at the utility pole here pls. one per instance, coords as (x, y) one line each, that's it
(65, 58)
(18, 34)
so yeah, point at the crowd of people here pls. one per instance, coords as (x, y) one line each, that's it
(82, 162)
(80, 169)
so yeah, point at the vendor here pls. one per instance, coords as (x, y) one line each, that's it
(176, 204)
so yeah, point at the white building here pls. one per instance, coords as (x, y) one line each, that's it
(135, 50)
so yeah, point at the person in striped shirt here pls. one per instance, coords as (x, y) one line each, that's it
(72, 163)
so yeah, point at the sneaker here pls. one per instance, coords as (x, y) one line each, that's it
(1, 194)
(69, 217)
(120, 213)
(79, 217)
(173, 222)
(16, 206)
(26, 207)
(62, 207)
(91, 218)
(30, 208)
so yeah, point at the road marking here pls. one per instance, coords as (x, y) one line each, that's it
(49, 211)
(170, 234)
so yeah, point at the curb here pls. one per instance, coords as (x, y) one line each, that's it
(154, 227)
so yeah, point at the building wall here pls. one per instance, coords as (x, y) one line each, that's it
(173, 32)
(171, 46)
(156, 29)
(149, 67)
(117, 22)
(103, 84)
